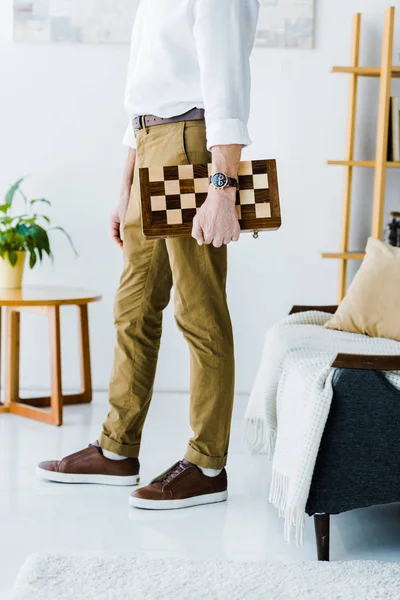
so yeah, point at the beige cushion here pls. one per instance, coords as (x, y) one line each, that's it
(372, 302)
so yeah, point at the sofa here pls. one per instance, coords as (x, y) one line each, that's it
(358, 463)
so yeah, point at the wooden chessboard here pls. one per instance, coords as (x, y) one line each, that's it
(171, 196)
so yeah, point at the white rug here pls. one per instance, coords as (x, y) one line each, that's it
(55, 577)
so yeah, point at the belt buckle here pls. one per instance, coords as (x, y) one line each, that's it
(138, 123)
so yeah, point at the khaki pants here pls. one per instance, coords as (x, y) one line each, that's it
(198, 274)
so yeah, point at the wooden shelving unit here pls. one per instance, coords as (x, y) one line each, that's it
(385, 72)
(344, 255)
(370, 164)
(365, 71)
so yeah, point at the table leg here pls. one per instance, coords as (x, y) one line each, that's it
(86, 373)
(12, 356)
(3, 406)
(56, 399)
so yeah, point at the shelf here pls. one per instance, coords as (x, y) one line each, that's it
(383, 73)
(358, 255)
(370, 164)
(365, 71)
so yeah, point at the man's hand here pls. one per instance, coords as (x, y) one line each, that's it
(118, 215)
(217, 221)
(117, 219)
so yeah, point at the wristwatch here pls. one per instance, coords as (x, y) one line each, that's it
(221, 180)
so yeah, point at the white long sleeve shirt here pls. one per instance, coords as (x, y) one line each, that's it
(193, 53)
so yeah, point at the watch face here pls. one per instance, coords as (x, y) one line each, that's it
(219, 180)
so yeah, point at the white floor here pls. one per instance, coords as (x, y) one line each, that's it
(37, 516)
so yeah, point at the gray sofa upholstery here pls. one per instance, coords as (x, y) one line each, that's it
(358, 463)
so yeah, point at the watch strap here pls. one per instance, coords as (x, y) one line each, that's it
(232, 182)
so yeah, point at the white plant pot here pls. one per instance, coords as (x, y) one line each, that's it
(11, 277)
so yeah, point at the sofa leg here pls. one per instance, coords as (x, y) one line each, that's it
(322, 530)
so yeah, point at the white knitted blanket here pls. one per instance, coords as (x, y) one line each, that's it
(290, 401)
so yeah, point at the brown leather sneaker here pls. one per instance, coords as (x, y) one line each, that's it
(181, 486)
(90, 466)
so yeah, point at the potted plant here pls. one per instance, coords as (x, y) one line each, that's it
(23, 235)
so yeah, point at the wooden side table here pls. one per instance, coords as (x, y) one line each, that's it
(45, 301)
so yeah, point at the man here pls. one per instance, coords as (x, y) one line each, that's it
(188, 57)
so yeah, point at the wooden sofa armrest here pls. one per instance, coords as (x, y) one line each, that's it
(328, 309)
(363, 361)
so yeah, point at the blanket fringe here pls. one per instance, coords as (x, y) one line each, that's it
(278, 491)
(294, 517)
(256, 437)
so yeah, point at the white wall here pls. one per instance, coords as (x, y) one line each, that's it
(62, 120)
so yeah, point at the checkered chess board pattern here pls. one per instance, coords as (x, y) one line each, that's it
(171, 196)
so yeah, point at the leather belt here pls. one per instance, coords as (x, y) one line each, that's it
(195, 114)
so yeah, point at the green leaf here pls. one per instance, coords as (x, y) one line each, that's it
(29, 243)
(23, 229)
(4, 208)
(40, 236)
(11, 192)
(35, 200)
(12, 257)
(32, 259)
(26, 219)
(68, 238)
(21, 193)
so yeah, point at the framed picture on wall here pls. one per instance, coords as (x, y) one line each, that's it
(286, 24)
(74, 21)
(282, 23)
